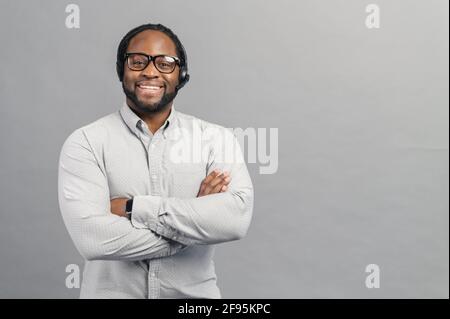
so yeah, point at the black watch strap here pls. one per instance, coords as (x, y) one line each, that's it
(129, 206)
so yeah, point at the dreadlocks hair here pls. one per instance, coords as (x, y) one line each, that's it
(123, 45)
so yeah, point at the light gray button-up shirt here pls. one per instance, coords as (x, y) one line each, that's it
(166, 250)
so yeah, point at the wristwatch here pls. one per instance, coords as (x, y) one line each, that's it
(129, 207)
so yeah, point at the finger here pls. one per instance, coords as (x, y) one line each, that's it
(216, 189)
(208, 187)
(218, 180)
(219, 186)
(201, 191)
(211, 176)
(206, 181)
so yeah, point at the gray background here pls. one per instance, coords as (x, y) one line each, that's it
(363, 136)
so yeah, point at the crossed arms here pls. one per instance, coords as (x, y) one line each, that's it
(159, 226)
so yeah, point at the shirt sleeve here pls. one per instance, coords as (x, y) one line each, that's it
(209, 219)
(83, 196)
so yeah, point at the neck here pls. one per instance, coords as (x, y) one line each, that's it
(153, 120)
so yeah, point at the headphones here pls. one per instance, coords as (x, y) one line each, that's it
(184, 76)
(182, 79)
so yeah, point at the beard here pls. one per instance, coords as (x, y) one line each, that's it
(149, 108)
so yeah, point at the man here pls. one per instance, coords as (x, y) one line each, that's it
(147, 191)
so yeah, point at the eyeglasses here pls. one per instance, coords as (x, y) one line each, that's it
(163, 63)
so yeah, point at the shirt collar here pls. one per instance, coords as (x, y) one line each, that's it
(134, 122)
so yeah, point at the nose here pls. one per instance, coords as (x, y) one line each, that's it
(150, 71)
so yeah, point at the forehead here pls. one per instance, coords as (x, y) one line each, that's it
(152, 42)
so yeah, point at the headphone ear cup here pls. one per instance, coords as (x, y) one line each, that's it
(183, 79)
(182, 75)
(119, 72)
(186, 78)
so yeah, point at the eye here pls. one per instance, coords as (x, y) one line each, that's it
(165, 63)
(137, 62)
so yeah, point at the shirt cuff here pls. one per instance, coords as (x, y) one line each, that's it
(145, 211)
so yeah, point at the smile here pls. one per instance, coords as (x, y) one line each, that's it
(150, 87)
(152, 90)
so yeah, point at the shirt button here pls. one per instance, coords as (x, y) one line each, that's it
(152, 146)
(153, 176)
(153, 274)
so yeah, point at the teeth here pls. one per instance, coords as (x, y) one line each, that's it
(149, 87)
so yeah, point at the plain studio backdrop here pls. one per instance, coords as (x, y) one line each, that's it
(362, 117)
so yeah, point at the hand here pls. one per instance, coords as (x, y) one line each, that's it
(215, 182)
(118, 206)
